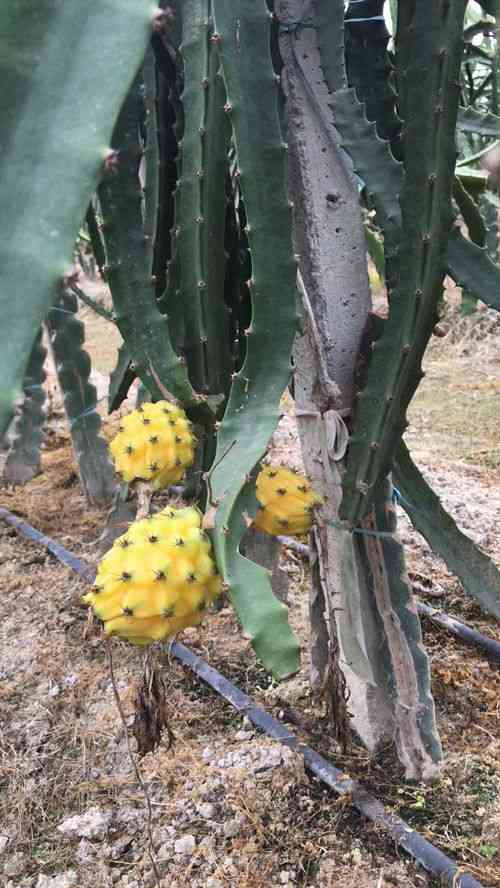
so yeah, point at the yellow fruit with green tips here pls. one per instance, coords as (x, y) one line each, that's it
(287, 501)
(158, 578)
(154, 443)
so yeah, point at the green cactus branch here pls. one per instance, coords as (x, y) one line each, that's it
(120, 379)
(369, 68)
(66, 335)
(151, 156)
(472, 269)
(201, 206)
(430, 75)
(470, 212)
(478, 574)
(242, 35)
(128, 268)
(403, 664)
(471, 121)
(25, 436)
(372, 159)
(329, 23)
(42, 129)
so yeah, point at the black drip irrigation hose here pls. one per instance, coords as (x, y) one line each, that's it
(463, 632)
(422, 851)
(460, 630)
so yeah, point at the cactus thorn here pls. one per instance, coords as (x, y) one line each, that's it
(111, 160)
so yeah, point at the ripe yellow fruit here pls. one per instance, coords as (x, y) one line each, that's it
(154, 444)
(158, 578)
(287, 501)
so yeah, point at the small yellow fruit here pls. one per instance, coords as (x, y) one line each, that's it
(158, 578)
(155, 444)
(287, 501)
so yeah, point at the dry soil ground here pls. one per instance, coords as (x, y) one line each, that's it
(230, 808)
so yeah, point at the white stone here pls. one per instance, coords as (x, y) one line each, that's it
(4, 841)
(93, 824)
(232, 827)
(185, 845)
(63, 880)
(243, 735)
(206, 810)
(254, 758)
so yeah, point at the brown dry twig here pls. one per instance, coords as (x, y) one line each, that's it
(135, 766)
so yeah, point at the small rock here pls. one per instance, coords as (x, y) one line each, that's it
(206, 810)
(255, 758)
(128, 814)
(86, 852)
(63, 880)
(213, 883)
(93, 824)
(185, 845)
(207, 754)
(4, 841)
(232, 827)
(243, 735)
(164, 852)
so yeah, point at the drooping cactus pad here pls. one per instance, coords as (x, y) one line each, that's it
(154, 443)
(158, 578)
(287, 501)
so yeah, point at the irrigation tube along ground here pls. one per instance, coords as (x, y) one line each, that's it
(422, 851)
(460, 630)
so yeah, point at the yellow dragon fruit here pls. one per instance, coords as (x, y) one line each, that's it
(154, 444)
(287, 501)
(158, 578)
